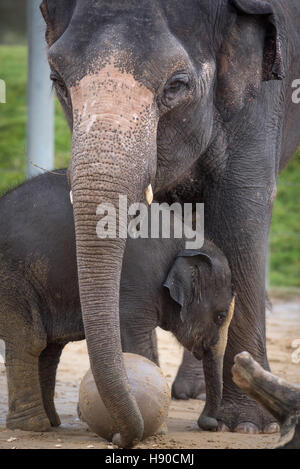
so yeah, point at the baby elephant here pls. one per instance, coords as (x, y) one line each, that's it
(186, 292)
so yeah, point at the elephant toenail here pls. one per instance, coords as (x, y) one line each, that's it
(247, 427)
(273, 427)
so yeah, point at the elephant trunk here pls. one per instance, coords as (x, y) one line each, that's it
(113, 154)
(213, 371)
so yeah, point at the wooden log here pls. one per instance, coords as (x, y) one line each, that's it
(279, 397)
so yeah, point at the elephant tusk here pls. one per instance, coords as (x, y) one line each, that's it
(149, 194)
(71, 197)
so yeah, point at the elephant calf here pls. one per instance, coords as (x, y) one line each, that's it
(186, 292)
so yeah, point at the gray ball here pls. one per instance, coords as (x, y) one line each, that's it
(149, 387)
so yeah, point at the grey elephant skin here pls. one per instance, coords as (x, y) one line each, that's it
(186, 292)
(194, 98)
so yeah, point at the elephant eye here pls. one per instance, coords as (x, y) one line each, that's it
(220, 318)
(175, 89)
(60, 86)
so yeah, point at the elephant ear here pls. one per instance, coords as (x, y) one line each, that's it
(251, 53)
(179, 280)
(57, 15)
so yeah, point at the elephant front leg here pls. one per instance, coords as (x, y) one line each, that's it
(237, 219)
(26, 409)
(48, 362)
(189, 382)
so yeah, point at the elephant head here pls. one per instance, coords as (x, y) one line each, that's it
(145, 85)
(200, 283)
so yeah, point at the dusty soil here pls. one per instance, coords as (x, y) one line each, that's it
(283, 328)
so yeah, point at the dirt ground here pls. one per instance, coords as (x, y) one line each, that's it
(283, 328)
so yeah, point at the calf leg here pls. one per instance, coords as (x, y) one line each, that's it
(26, 409)
(22, 330)
(48, 363)
(138, 332)
(189, 382)
(141, 342)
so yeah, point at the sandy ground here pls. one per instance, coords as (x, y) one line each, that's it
(283, 328)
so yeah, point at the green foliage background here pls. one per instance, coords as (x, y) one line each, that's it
(285, 230)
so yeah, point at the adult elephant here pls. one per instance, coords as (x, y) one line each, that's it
(194, 98)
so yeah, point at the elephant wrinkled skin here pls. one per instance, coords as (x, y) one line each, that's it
(213, 121)
(187, 292)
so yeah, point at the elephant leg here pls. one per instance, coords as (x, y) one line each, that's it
(25, 402)
(142, 342)
(48, 362)
(189, 382)
(237, 220)
(25, 339)
(138, 329)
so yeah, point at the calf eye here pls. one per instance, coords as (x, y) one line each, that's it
(220, 318)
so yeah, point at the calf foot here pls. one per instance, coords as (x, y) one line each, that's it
(25, 403)
(28, 421)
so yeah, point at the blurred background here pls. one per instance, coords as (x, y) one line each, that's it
(284, 271)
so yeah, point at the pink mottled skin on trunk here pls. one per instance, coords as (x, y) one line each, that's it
(113, 153)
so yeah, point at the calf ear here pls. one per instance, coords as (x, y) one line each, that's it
(179, 280)
(250, 54)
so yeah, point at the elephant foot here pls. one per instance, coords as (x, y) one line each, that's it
(208, 424)
(245, 416)
(189, 382)
(187, 390)
(184, 390)
(31, 423)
